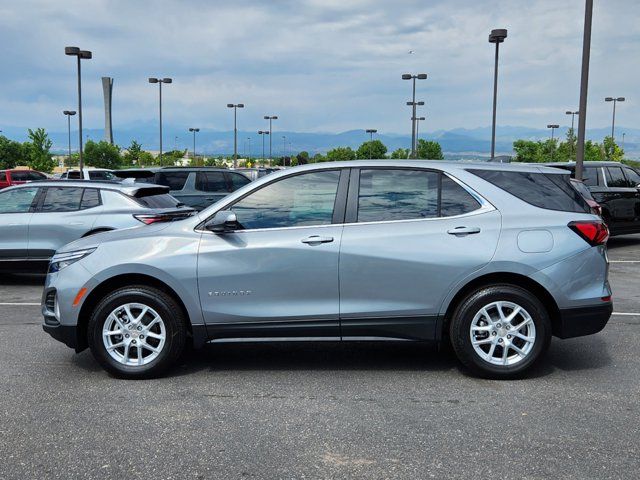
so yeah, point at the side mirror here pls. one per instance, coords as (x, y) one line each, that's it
(223, 221)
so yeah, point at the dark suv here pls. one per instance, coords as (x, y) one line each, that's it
(199, 187)
(616, 187)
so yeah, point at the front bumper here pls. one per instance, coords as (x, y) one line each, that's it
(67, 334)
(576, 322)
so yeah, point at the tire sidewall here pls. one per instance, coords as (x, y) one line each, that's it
(171, 317)
(461, 325)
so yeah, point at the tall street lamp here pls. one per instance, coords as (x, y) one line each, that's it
(69, 114)
(418, 120)
(552, 127)
(409, 76)
(262, 133)
(249, 140)
(370, 131)
(80, 55)
(496, 36)
(235, 107)
(573, 133)
(270, 118)
(194, 130)
(584, 86)
(160, 81)
(613, 121)
(414, 140)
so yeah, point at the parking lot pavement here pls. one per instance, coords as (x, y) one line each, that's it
(322, 410)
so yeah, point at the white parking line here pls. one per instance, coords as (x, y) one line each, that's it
(16, 303)
(624, 261)
(627, 314)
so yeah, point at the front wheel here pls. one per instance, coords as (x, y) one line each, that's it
(499, 331)
(137, 332)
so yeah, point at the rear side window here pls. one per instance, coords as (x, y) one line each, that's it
(615, 177)
(62, 199)
(173, 180)
(3, 177)
(211, 182)
(592, 176)
(101, 175)
(75, 175)
(20, 176)
(387, 194)
(90, 198)
(162, 200)
(455, 200)
(238, 181)
(632, 176)
(549, 191)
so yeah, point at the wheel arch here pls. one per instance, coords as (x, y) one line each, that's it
(97, 230)
(124, 280)
(510, 278)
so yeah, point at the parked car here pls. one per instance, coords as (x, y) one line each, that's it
(493, 258)
(257, 172)
(200, 187)
(139, 175)
(18, 177)
(99, 174)
(586, 194)
(616, 188)
(38, 219)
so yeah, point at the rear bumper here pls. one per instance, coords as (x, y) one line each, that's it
(576, 322)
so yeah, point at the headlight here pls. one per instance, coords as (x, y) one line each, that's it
(62, 260)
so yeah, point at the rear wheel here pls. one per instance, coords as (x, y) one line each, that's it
(499, 331)
(137, 332)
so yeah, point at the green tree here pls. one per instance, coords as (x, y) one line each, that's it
(102, 154)
(611, 149)
(372, 149)
(38, 151)
(341, 153)
(303, 158)
(11, 153)
(132, 157)
(173, 156)
(429, 150)
(145, 159)
(318, 158)
(400, 154)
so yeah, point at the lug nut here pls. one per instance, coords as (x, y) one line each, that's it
(139, 328)
(133, 341)
(499, 325)
(126, 335)
(499, 341)
(509, 337)
(141, 337)
(493, 333)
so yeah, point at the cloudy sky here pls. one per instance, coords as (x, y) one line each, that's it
(321, 65)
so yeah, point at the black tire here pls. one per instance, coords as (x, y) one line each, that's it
(172, 316)
(464, 314)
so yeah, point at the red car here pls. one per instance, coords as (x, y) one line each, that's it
(18, 177)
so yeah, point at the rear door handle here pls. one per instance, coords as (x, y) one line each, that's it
(316, 240)
(463, 230)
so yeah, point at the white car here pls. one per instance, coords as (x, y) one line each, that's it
(89, 174)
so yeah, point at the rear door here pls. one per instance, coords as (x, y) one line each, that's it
(64, 214)
(409, 236)
(16, 210)
(633, 178)
(621, 199)
(209, 188)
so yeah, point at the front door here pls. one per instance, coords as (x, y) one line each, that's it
(409, 236)
(277, 274)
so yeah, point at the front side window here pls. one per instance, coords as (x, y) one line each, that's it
(211, 182)
(101, 175)
(3, 177)
(62, 199)
(18, 200)
(301, 200)
(173, 180)
(632, 176)
(592, 176)
(397, 194)
(615, 177)
(238, 181)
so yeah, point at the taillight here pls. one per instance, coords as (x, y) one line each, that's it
(149, 219)
(594, 233)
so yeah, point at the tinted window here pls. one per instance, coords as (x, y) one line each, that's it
(90, 198)
(173, 180)
(238, 181)
(550, 191)
(387, 194)
(306, 199)
(455, 200)
(17, 201)
(101, 175)
(62, 199)
(632, 176)
(3, 177)
(582, 189)
(75, 175)
(162, 200)
(592, 176)
(615, 177)
(211, 182)
(20, 176)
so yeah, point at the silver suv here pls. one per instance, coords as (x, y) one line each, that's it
(38, 218)
(492, 258)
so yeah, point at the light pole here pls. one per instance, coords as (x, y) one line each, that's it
(371, 131)
(80, 55)
(284, 151)
(270, 118)
(418, 120)
(160, 81)
(584, 86)
(573, 133)
(262, 133)
(235, 107)
(249, 140)
(613, 121)
(623, 135)
(496, 36)
(69, 114)
(194, 130)
(409, 76)
(552, 127)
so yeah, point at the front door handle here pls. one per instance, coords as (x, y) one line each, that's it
(463, 231)
(316, 240)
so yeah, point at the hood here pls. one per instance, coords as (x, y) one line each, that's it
(134, 232)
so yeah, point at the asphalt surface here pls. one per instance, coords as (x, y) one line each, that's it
(322, 410)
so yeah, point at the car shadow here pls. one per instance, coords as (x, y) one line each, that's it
(623, 241)
(22, 278)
